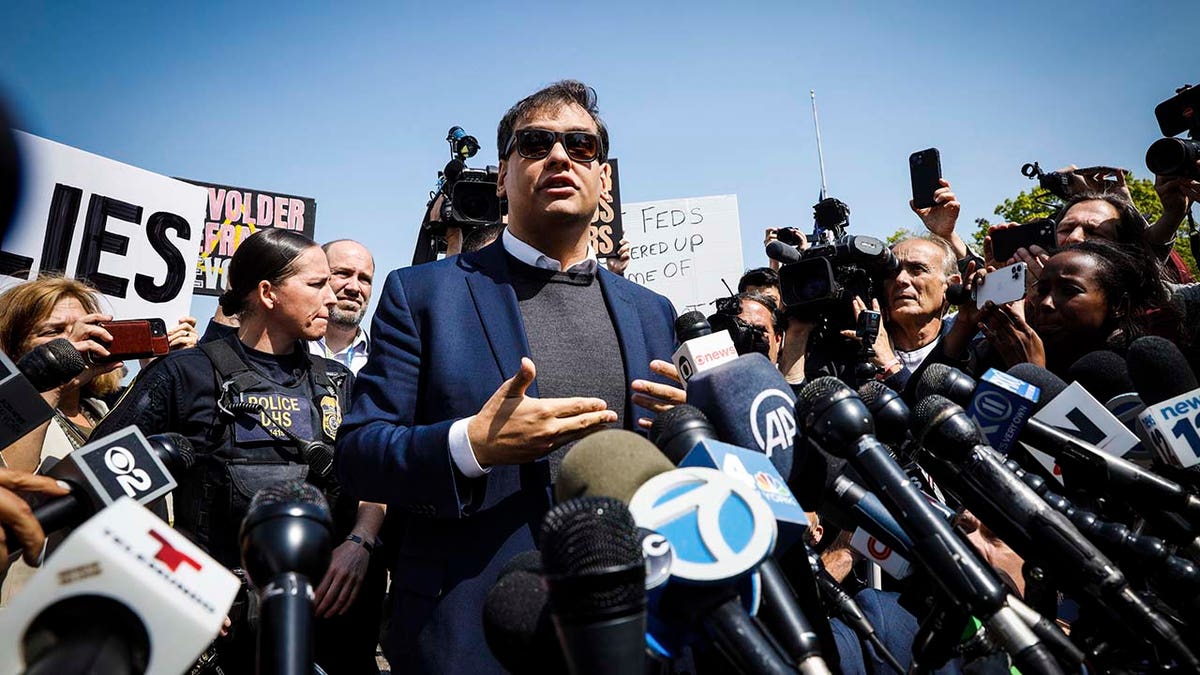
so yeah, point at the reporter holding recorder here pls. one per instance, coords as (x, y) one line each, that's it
(259, 409)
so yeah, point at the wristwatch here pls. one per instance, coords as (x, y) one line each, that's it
(369, 545)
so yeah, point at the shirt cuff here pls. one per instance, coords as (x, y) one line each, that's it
(461, 451)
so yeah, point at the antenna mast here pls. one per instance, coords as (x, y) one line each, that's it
(820, 155)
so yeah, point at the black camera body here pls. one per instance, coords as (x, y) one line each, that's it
(1170, 156)
(830, 276)
(470, 194)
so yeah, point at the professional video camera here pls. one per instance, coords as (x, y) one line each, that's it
(469, 202)
(1172, 156)
(822, 284)
(470, 194)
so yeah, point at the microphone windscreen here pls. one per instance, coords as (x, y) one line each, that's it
(1050, 384)
(931, 409)
(677, 431)
(609, 463)
(1159, 370)
(814, 470)
(691, 325)
(287, 492)
(751, 406)
(592, 538)
(815, 391)
(1104, 374)
(946, 381)
(174, 449)
(784, 253)
(525, 561)
(518, 626)
(890, 411)
(51, 365)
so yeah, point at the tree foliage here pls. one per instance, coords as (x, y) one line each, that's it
(1040, 203)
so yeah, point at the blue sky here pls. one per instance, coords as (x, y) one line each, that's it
(350, 104)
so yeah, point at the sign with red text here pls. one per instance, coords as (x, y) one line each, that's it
(129, 232)
(234, 213)
(683, 248)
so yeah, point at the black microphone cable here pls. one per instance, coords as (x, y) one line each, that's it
(848, 610)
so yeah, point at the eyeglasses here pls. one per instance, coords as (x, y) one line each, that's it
(581, 146)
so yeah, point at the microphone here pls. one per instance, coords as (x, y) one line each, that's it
(751, 406)
(889, 411)
(24, 409)
(1105, 375)
(517, 624)
(780, 611)
(1030, 526)
(1170, 422)
(998, 403)
(51, 365)
(834, 417)
(596, 580)
(781, 252)
(609, 463)
(720, 530)
(123, 593)
(849, 611)
(122, 464)
(700, 348)
(287, 542)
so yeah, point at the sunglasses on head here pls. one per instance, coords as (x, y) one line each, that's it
(581, 146)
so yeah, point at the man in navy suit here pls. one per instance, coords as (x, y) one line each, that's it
(454, 425)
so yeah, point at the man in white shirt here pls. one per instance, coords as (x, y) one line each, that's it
(352, 270)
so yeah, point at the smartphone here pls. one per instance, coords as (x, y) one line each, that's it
(135, 339)
(1002, 286)
(1039, 232)
(925, 169)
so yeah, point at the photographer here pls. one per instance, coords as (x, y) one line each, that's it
(753, 321)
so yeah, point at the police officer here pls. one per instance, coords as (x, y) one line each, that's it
(259, 409)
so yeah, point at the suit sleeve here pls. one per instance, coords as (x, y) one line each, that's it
(383, 455)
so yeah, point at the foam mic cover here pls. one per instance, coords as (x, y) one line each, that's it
(691, 325)
(889, 410)
(751, 406)
(1050, 384)
(678, 430)
(609, 463)
(51, 365)
(517, 624)
(1159, 370)
(1103, 373)
(777, 250)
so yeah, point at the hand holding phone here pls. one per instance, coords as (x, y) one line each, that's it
(925, 170)
(1002, 286)
(1006, 241)
(135, 339)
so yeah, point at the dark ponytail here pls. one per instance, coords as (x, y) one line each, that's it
(269, 255)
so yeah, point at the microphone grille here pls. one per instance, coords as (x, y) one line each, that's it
(592, 557)
(1159, 370)
(933, 380)
(872, 392)
(691, 325)
(1103, 373)
(52, 364)
(816, 390)
(667, 420)
(927, 409)
(288, 492)
(176, 448)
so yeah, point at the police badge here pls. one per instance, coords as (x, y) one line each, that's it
(331, 415)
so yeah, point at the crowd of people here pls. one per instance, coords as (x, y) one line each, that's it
(438, 435)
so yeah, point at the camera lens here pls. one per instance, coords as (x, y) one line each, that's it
(1173, 157)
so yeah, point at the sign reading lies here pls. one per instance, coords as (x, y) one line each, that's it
(235, 213)
(127, 231)
(683, 248)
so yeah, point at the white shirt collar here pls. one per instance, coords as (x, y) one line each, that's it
(535, 258)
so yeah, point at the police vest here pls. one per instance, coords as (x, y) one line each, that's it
(267, 433)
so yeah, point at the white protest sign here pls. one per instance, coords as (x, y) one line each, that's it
(683, 248)
(132, 233)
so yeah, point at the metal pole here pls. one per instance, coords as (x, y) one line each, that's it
(820, 155)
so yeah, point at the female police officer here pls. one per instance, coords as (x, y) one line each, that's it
(259, 409)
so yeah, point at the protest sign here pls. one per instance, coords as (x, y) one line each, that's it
(235, 213)
(683, 248)
(606, 229)
(129, 232)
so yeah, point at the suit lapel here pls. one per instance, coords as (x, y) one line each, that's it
(628, 325)
(496, 303)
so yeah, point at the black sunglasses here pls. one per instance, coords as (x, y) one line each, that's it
(581, 146)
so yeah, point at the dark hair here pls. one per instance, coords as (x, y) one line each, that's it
(758, 277)
(1132, 284)
(553, 97)
(777, 320)
(1131, 225)
(269, 255)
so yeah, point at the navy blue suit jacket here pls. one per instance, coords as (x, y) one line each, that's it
(444, 338)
